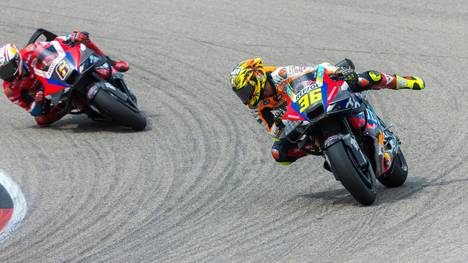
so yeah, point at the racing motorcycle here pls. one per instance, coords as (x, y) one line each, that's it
(72, 82)
(320, 107)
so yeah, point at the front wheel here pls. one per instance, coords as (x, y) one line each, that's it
(113, 107)
(361, 184)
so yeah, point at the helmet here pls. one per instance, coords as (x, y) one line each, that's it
(248, 81)
(10, 62)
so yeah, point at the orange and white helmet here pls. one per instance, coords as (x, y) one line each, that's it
(10, 62)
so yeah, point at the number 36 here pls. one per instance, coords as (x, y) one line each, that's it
(309, 99)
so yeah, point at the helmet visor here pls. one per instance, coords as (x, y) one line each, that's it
(9, 70)
(245, 93)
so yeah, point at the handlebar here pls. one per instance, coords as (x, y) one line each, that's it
(346, 63)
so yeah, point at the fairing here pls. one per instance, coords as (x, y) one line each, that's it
(308, 92)
(55, 63)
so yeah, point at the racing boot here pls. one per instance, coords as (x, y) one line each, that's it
(407, 82)
(120, 65)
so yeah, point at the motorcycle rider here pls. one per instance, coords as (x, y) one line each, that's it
(261, 88)
(20, 83)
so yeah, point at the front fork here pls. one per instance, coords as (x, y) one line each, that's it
(371, 145)
(339, 130)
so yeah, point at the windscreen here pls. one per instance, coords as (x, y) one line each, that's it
(46, 58)
(305, 81)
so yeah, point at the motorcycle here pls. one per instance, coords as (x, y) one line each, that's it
(72, 82)
(320, 107)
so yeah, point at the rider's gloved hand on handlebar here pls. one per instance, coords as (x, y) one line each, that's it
(78, 37)
(348, 75)
(39, 98)
(37, 107)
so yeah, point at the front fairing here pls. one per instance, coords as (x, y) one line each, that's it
(54, 64)
(314, 95)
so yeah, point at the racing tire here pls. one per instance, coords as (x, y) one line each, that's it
(360, 184)
(114, 108)
(398, 173)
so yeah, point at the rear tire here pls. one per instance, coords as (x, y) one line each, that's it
(112, 107)
(350, 175)
(398, 174)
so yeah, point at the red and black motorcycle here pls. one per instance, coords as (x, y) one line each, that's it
(72, 82)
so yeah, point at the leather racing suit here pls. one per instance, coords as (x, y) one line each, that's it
(24, 89)
(270, 110)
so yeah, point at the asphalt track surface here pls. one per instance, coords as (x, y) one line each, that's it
(199, 184)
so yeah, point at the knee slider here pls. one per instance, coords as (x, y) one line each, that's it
(275, 154)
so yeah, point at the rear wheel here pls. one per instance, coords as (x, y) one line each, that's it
(111, 106)
(361, 184)
(398, 173)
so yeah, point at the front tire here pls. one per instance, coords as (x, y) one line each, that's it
(114, 108)
(360, 184)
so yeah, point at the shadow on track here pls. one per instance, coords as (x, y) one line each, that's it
(83, 124)
(384, 194)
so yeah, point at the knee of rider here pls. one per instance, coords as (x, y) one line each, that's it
(280, 158)
(275, 153)
(45, 120)
(41, 121)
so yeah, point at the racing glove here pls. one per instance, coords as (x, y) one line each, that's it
(39, 98)
(278, 126)
(348, 75)
(276, 131)
(37, 107)
(78, 37)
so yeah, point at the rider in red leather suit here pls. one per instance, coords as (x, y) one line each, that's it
(21, 85)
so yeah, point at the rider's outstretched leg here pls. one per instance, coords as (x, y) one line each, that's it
(377, 80)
